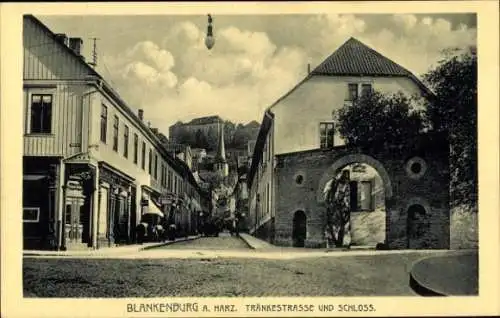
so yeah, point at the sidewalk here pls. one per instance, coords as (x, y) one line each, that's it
(107, 251)
(256, 243)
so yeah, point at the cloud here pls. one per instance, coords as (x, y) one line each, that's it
(177, 78)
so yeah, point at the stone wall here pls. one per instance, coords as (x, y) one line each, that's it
(266, 231)
(403, 188)
(463, 228)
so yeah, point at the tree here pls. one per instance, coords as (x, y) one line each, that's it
(454, 110)
(375, 119)
(201, 140)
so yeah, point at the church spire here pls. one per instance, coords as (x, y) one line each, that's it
(221, 151)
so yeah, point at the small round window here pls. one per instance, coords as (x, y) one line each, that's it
(416, 167)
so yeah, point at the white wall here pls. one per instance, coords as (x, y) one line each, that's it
(298, 115)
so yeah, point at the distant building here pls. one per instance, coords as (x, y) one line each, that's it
(206, 125)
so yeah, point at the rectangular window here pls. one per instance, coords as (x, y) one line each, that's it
(104, 122)
(366, 196)
(41, 113)
(326, 135)
(136, 146)
(125, 141)
(352, 92)
(155, 167)
(143, 156)
(116, 122)
(31, 215)
(366, 89)
(150, 160)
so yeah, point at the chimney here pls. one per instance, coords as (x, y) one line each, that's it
(63, 38)
(141, 114)
(76, 45)
(308, 68)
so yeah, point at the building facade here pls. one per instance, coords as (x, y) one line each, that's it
(207, 125)
(92, 167)
(301, 122)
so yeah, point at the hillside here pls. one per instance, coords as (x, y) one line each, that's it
(236, 136)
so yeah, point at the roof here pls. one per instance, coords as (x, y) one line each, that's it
(205, 120)
(356, 58)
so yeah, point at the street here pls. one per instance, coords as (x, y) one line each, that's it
(202, 270)
(224, 242)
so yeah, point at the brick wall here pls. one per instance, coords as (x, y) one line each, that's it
(316, 167)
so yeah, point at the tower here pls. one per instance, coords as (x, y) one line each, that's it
(221, 165)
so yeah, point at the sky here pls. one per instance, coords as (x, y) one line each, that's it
(160, 63)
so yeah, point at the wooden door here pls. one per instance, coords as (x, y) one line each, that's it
(73, 226)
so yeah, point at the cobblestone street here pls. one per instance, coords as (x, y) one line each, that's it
(209, 271)
(224, 242)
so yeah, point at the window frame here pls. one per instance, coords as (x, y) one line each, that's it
(363, 85)
(155, 167)
(136, 148)
(325, 144)
(126, 141)
(37, 209)
(349, 86)
(29, 109)
(150, 161)
(143, 156)
(104, 116)
(116, 132)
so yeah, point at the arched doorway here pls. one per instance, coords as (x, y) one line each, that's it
(417, 226)
(365, 197)
(299, 229)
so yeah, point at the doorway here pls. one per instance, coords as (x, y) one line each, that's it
(299, 232)
(417, 226)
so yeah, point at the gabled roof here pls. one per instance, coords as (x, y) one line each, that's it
(356, 58)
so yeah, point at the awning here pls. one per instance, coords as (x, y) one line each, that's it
(153, 209)
(33, 177)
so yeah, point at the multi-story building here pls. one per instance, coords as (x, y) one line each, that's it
(91, 166)
(207, 125)
(297, 147)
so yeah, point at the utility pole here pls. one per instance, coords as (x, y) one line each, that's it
(94, 52)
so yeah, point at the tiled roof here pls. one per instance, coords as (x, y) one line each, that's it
(355, 58)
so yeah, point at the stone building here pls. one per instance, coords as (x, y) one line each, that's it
(298, 152)
(91, 165)
(207, 125)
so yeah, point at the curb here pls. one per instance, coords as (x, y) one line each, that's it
(421, 290)
(246, 242)
(108, 251)
(425, 287)
(168, 243)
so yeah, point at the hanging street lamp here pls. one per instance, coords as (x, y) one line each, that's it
(209, 40)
